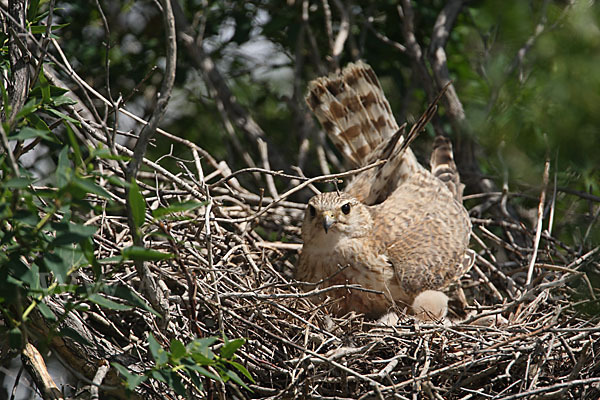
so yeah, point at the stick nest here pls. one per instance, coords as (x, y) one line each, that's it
(232, 275)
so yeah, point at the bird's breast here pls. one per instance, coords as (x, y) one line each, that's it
(351, 262)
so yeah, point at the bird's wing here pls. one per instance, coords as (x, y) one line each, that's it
(424, 233)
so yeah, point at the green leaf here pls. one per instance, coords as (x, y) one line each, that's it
(158, 353)
(201, 359)
(125, 293)
(72, 255)
(63, 100)
(89, 186)
(31, 277)
(73, 334)
(242, 369)
(118, 259)
(202, 346)
(67, 233)
(177, 349)
(177, 207)
(29, 107)
(5, 101)
(116, 181)
(17, 183)
(137, 204)
(55, 92)
(17, 271)
(26, 217)
(107, 303)
(196, 381)
(62, 116)
(30, 133)
(203, 371)
(63, 169)
(158, 375)
(39, 29)
(38, 123)
(33, 9)
(235, 377)
(132, 380)
(46, 312)
(74, 145)
(143, 254)
(174, 381)
(105, 154)
(230, 347)
(64, 288)
(58, 266)
(44, 85)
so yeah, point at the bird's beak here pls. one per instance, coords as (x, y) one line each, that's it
(328, 220)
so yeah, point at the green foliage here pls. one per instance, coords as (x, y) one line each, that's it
(137, 204)
(184, 367)
(45, 236)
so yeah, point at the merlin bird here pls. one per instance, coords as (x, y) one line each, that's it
(397, 230)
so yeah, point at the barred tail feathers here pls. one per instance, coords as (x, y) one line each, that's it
(444, 168)
(353, 110)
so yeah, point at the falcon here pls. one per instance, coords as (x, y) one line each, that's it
(398, 230)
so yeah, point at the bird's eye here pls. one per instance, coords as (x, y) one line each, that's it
(312, 211)
(346, 208)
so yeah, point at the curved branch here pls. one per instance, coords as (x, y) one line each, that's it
(437, 57)
(221, 92)
(152, 289)
(413, 47)
(164, 96)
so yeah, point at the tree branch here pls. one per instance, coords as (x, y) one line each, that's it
(234, 110)
(152, 289)
(35, 365)
(437, 57)
(18, 58)
(413, 48)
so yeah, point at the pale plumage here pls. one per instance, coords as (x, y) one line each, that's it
(399, 229)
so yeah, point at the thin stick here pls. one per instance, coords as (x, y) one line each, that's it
(538, 231)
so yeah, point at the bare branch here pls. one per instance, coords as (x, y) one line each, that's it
(413, 47)
(18, 56)
(35, 365)
(538, 229)
(235, 111)
(439, 62)
(164, 96)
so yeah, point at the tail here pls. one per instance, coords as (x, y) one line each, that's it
(444, 168)
(353, 110)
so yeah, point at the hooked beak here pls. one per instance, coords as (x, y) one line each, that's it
(328, 220)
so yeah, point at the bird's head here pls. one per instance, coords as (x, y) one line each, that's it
(332, 214)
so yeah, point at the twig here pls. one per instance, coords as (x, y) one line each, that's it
(343, 32)
(567, 384)
(413, 47)
(538, 230)
(98, 378)
(300, 187)
(264, 154)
